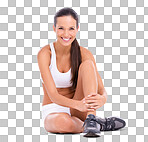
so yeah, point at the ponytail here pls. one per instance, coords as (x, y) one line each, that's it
(75, 59)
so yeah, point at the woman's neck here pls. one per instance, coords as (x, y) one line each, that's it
(62, 50)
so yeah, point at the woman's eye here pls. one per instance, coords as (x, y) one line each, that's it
(70, 28)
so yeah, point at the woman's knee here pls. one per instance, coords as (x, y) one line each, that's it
(64, 123)
(61, 123)
(86, 65)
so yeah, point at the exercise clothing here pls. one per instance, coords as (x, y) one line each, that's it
(51, 108)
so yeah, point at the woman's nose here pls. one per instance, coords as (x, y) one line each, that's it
(66, 33)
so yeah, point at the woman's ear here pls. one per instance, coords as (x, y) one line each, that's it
(78, 28)
(54, 28)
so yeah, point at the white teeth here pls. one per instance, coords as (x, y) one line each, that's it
(66, 39)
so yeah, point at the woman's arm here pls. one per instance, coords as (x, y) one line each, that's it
(64, 101)
(43, 63)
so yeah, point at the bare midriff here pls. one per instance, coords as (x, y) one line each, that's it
(62, 91)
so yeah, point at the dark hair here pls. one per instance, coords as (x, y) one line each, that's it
(75, 53)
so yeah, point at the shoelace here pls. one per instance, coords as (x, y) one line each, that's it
(91, 121)
(109, 123)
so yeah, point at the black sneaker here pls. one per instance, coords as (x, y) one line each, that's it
(91, 127)
(111, 123)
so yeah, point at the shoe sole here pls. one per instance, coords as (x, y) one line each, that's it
(90, 134)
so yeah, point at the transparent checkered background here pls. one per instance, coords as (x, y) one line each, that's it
(115, 31)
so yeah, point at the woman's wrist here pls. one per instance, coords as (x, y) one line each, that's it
(75, 104)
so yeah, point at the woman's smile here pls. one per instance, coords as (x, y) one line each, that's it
(66, 39)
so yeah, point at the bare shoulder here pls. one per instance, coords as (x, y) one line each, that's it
(44, 54)
(45, 50)
(86, 54)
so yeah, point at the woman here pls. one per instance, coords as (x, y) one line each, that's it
(73, 88)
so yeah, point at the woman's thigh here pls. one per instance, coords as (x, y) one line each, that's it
(62, 123)
(79, 94)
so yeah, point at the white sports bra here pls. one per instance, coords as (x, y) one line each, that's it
(62, 80)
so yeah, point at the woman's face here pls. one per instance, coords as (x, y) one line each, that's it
(65, 30)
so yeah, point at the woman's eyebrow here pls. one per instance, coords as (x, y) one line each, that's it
(71, 26)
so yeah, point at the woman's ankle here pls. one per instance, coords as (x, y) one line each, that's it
(91, 112)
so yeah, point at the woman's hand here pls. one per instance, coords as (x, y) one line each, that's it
(95, 101)
(81, 106)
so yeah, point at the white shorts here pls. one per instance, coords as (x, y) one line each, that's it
(50, 108)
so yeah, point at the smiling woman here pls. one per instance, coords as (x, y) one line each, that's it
(69, 74)
(64, 38)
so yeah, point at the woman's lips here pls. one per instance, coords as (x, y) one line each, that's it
(66, 40)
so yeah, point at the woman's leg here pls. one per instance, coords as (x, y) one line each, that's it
(62, 123)
(86, 84)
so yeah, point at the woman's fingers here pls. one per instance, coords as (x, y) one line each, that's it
(91, 105)
(90, 98)
(87, 105)
(94, 104)
(90, 101)
(90, 109)
(91, 95)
